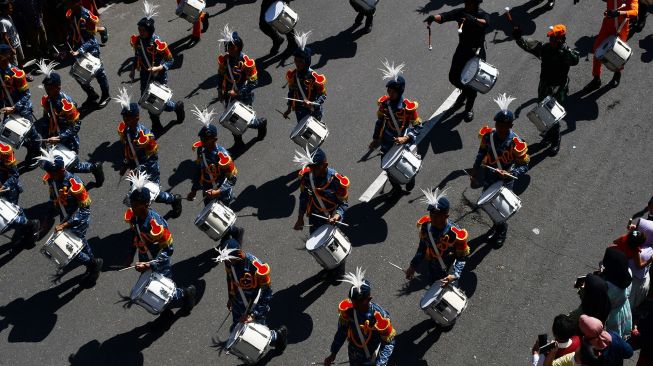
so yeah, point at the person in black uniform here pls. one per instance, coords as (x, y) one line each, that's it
(473, 22)
(267, 29)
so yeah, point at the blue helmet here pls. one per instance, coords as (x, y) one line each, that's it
(441, 206)
(140, 195)
(208, 131)
(55, 166)
(54, 79)
(399, 85)
(132, 110)
(363, 292)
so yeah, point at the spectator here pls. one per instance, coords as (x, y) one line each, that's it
(639, 262)
(594, 298)
(642, 339)
(28, 18)
(8, 33)
(609, 346)
(566, 341)
(617, 275)
(92, 7)
(584, 355)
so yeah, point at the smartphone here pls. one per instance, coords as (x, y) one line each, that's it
(547, 347)
(580, 281)
(541, 339)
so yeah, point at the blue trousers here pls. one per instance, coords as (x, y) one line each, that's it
(101, 77)
(301, 112)
(165, 197)
(19, 223)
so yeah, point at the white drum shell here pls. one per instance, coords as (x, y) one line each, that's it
(249, 341)
(14, 129)
(401, 163)
(215, 219)
(237, 117)
(8, 213)
(191, 9)
(155, 98)
(443, 304)
(499, 202)
(479, 75)
(614, 53)
(310, 133)
(329, 246)
(85, 68)
(153, 292)
(546, 114)
(69, 157)
(367, 5)
(62, 247)
(281, 17)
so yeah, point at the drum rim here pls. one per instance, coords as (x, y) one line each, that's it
(278, 7)
(388, 162)
(494, 188)
(324, 227)
(476, 60)
(433, 291)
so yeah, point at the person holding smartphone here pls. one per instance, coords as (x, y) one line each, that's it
(565, 341)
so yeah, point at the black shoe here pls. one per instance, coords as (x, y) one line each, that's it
(501, 234)
(616, 79)
(262, 129)
(205, 23)
(594, 84)
(190, 293)
(91, 98)
(410, 185)
(193, 41)
(276, 46)
(555, 146)
(104, 35)
(98, 174)
(157, 127)
(180, 112)
(176, 206)
(368, 25)
(469, 116)
(93, 271)
(359, 19)
(31, 233)
(104, 100)
(31, 161)
(282, 339)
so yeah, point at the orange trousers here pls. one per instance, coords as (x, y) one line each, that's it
(608, 29)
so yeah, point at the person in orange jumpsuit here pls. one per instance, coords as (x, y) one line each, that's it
(615, 20)
(200, 26)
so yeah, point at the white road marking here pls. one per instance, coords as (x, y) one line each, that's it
(103, 9)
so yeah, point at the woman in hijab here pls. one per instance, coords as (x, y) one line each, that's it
(594, 298)
(609, 346)
(617, 276)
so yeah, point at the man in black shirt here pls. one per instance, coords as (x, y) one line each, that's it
(474, 22)
(266, 28)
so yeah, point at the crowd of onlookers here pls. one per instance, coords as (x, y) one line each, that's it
(615, 316)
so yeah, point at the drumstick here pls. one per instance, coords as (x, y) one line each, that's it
(333, 363)
(430, 45)
(281, 113)
(508, 14)
(134, 266)
(326, 218)
(301, 101)
(460, 29)
(396, 266)
(497, 170)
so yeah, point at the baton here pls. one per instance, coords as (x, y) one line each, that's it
(281, 113)
(497, 170)
(508, 14)
(430, 45)
(301, 101)
(396, 266)
(326, 218)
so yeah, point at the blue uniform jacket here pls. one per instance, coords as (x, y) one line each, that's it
(16, 90)
(63, 116)
(215, 169)
(450, 245)
(252, 275)
(333, 189)
(512, 152)
(71, 195)
(152, 239)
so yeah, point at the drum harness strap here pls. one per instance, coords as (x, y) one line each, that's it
(79, 33)
(240, 290)
(56, 194)
(494, 151)
(214, 181)
(362, 340)
(319, 200)
(149, 65)
(301, 90)
(53, 117)
(131, 147)
(149, 255)
(231, 75)
(435, 248)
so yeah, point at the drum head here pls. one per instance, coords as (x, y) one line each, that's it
(141, 284)
(470, 70)
(430, 296)
(489, 193)
(273, 11)
(390, 158)
(235, 334)
(320, 237)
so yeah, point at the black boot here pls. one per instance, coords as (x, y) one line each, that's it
(459, 103)
(91, 97)
(616, 79)
(31, 233)
(282, 339)
(555, 138)
(104, 99)
(469, 115)
(359, 19)
(205, 23)
(31, 160)
(104, 35)
(410, 185)
(98, 174)
(501, 234)
(262, 129)
(368, 24)
(190, 293)
(176, 206)
(180, 112)
(93, 270)
(157, 127)
(594, 84)
(193, 41)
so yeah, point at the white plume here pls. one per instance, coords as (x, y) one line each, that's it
(123, 98)
(225, 255)
(47, 155)
(204, 115)
(355, 279)
(392, 71)
(303, 158)
(302, 38)
(46, 68)
(503, 100)
(227, 35)
(137, 179)
(431, 196)
(149, 9)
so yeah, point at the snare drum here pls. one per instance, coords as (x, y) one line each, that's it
(368, 6)
(281, 17)
(401, 163)
(69, 157)
(14, 130)
(310, 133)
(249, 341)
(646, 226)
(614, 53)
(546, 114)
(479, 75)
(443, 304)
(329, 246)
(85, 68)
(153, 291)
(62, 247)
(190, 9)
(237, 117)
(155, 97)
(215, 219)
(8, 213)
(499, 202)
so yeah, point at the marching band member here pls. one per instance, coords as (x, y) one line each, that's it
(304, 83)
(440, 239)
(16, 100)
(60, 123)
(83, 26)
(365, 324)
(102, 30)
(237, 79)
(267, 29)
(323, 191)
(10, 190)
(473, 23)
(503, 150)
(216, 173)
(616, 19)
(71, 201)
(369, 16)
(141, 150)
(397, 121)
(199, 26)
(557, 58)
(153, 240)
(153, 60)
(249, 290)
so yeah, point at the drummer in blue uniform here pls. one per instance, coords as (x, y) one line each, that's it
(365, 324)
(442, 243)
(504, 151)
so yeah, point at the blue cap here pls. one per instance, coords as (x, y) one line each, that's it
(132, 110)
(364, 292)
(505, 117)
(148, 24)
(4, 48)
(52, 79)
(305, 54)
(319, 156)
(399, 85)
(142, 195)
(53, 167)
(442, 206)
(208, 131)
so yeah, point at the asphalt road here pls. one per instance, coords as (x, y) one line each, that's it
(573, 204)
